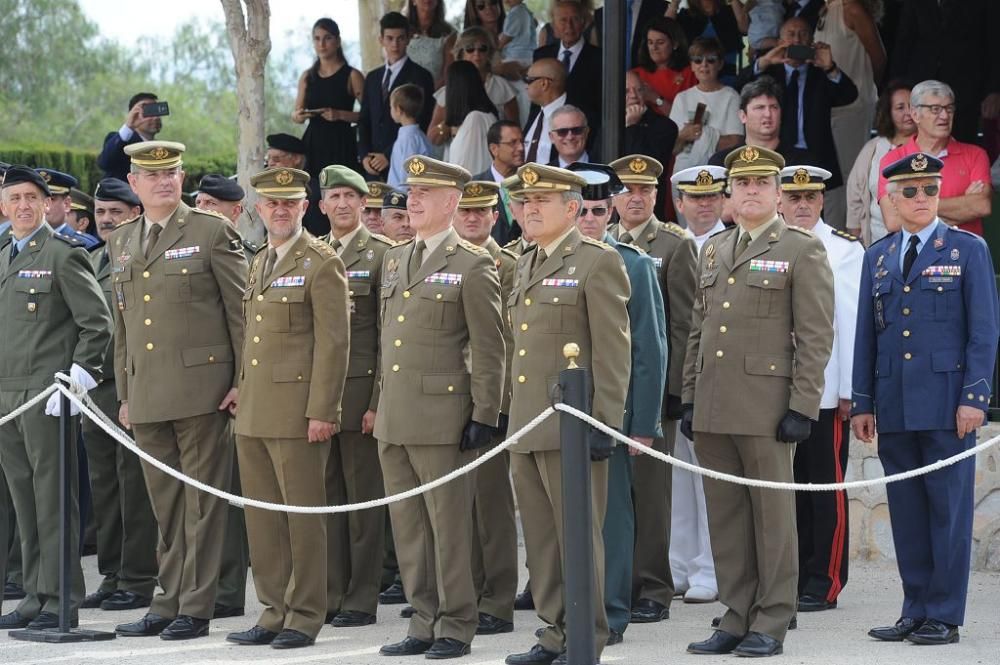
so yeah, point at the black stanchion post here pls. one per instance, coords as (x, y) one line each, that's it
(613, 104)
(578, 563)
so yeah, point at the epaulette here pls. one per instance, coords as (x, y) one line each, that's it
(632, 248)
(69, 240)
(725, 230)
(801, 230)
(887, 235)
(250, 247)
(129, 221)
(322, 247)
(676, 229)
(211, 213)
(598, 243)
(512, 243)
(845, 235)
(404, 243)
(386, 240)
(510, 254)
(475, 249)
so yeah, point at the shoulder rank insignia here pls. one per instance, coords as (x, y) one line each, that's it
(212, 213)
(676, 229)
(845, 235)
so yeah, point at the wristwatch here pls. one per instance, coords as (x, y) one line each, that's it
(659, 101)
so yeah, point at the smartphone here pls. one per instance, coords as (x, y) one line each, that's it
(155, 109)
(800, 52)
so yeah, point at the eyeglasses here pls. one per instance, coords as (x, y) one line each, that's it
(938, 109)
(596, 211)
(910, 192)
(710, 59)
(482, 48)
(531, 79)
(510, 144)
(563, 132)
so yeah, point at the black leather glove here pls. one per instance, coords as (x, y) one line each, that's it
(687, 421)
(475, 436)
(794, 427)
(674, 410)
(600, 445)
(502, 423)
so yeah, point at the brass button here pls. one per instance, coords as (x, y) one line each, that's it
(438, 296)
(521, 379)
(284, 298)
(398, 343)
(370, 372)
(773, 367)
(395, 368)
(906, 289)
(723, 329)
(400, 318)
(184, 271)
(524, 326)
(350, 293)
(149, 346)
(451, 389)
(260, 297)
(259, 317)
(256, 339)
(719, 353)
(145, 274)
(146, 298)
(906, 311)
(971, 396)
(527, 302)
(211, 359)
(148, 322)
(908, 356)
(254, 362)
(725, 305)
(556, 299)
(982, 398)
(299, 377)
(406, 294)
(906, 333)
(521, 353)
(940, 288)
(766, 282)
(31, 290)
(731, 280)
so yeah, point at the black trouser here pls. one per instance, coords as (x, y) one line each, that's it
(822, 517)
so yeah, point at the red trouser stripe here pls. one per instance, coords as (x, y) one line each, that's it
(837, 548)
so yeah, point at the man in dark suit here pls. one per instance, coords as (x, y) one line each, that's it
(581, 60)
(505, 141)
(648, 133)
(113, 160)
(804, 9)
(376, 128)
(635, 22)
(811, 89)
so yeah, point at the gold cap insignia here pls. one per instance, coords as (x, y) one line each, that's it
(919, 163)
(530, 177)
(394, 199)
(750, 154)
(159, 153)
(475, 189)
(801, 177)
(416, 167)
(638, 165)
(45, 176)
(376, 189)
(704, 179)
(283, 178)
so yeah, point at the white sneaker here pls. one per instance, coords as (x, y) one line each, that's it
(701, 594)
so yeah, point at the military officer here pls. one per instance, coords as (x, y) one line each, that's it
(924, 359)
(126, 528)
(44, 332)
(395, 220)
(442, 354)
(81, 212)
(568, 288)
(822, 517)
(295, 361)
(675, 254)
(648, 376)
(371, 216)
(355, 540)
(225, 196)
(761, 336)
(494, 544)
(698, 196)
(60, 185)
(178, 276)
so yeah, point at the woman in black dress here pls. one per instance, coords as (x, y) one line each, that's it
(326, 96)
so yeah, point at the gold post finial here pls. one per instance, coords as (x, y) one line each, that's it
(571, 351)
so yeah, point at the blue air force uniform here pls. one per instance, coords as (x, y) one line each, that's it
(925, 345)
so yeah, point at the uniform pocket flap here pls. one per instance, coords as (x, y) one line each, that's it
(361, 366)
(767, 280)
(183, 267)
(766, 365)
(205, 355)
(290, 372)
(359, 288)
(278, 294)
(947, 360)
(441, 293)
(33, 285)
(559, 296)
(444, 384)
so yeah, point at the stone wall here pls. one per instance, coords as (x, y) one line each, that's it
(871, 536)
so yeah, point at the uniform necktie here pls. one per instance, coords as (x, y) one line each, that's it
(154, 235)
(741, 246)
(790, 111)
(540, 257)
(417, 257)
(269, 261)
(385, 83)
(337, 246)
(567, 57)
(910, 256)
(105, 260)
(536, 136)
(13, 251)
(626, 238)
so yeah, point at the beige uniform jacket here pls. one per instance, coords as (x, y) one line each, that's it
(506, 263)
(577, 295)
(178, 316)
(429, 390)
(762, 331)
(297, 342)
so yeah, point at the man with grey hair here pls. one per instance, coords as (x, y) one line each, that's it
(568, 132)
(966, 195)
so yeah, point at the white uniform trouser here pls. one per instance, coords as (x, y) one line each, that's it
(690, 548)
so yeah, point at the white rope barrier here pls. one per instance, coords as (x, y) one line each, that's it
(88, 408)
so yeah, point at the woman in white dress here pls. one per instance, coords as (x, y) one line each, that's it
(468, 116)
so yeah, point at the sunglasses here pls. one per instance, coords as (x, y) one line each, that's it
(910, 192)
(563, 132)
(528, 80)
(710, 59)
(482, 48)
(596, 211)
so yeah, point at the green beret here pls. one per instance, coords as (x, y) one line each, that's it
(341, 176)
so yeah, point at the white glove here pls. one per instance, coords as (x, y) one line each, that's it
(53, 407)
(80, 375)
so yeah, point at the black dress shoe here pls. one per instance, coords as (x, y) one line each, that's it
(352, 619)
(538, 655)
(410, 646)
(14, 620)
(934, 632)
(185, 627)
(291, 639)
(13, 591)
(407, 612)
(808, 603)
(125, 600)
(898, 632)
(94, 600)
(446, 647)
(649, 611)
(615, 637)
(393, 595)
(254, 636)
(226, 611)
(46, 620)
(793, 623)
(563, 659)
(719, 643)
(148, 626)
(758, 645)
(491, 625)
(524, 601)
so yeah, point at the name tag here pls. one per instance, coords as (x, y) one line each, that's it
(950, 271)
(293, 280)
(359, 274)
(181, 252)
(573, 283)
(759, 265)
(452, 278)
(34, 274)
(657, 261)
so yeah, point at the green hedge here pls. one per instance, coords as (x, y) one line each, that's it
(83, 163)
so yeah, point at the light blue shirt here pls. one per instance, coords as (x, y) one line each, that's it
(924, 235)
(23, 242)
(410, 141)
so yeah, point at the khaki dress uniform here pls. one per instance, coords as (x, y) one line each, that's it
(434, 322)
(179, 325)
(761, 336)
(675, 254)
(578, 294)
(295, 362)
(355, 540)
(126, 527)
(52, 315)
